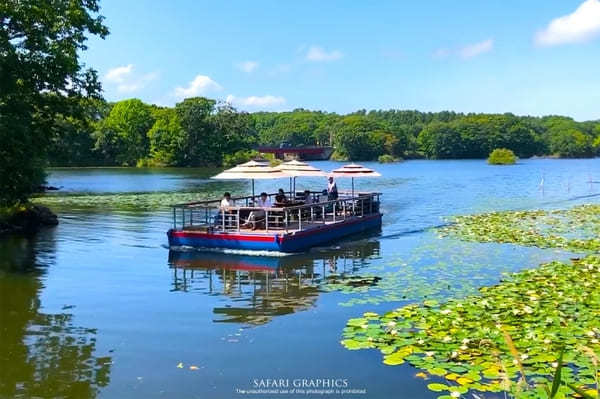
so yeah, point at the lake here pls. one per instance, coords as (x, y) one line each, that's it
(99, 306)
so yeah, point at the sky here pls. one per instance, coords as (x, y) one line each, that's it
(533, 57)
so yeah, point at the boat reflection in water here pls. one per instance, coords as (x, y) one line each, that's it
(254, 289)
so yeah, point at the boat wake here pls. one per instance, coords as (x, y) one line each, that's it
(185, 248)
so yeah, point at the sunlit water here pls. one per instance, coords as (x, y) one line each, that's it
(98, 306)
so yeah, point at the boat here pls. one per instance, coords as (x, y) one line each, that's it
(286, 151)
(294, 226)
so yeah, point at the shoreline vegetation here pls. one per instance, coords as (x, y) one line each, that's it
(206, 132)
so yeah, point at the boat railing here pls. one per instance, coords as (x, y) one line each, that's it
(208, 216)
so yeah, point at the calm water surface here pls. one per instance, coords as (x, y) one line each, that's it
(99, 307)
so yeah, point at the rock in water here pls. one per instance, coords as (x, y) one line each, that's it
(28, 220)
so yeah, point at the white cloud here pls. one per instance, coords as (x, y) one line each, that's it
(247, 66)
(118, 74)
(475, 49)
(255, 102)
(200, 86)
(441, 53)
(126, 79)
(319, 54)
(581, 25)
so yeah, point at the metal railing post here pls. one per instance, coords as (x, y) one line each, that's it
(223, 217)
(334, 211)
(174, 218)
(266, 220)
(285, 217)
(238, 219)
(300, 219)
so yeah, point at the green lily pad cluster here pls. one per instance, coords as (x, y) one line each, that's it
(133, 201)
(575, 229)
(462, 346)
(436, 269)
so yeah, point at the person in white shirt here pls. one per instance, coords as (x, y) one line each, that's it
(226, 202)
(255, 216)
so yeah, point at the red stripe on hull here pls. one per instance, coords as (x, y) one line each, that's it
(236, 237)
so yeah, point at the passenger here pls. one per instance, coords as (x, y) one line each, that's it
(226, 202)
(308, 199)
(332, 191)
(280, 198)
(255, 216)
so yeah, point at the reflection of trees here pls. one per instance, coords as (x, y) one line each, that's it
(260, 288)
(41, 355)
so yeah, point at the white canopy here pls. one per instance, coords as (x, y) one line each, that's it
(296, 168)
(251, 170)
(354, 170)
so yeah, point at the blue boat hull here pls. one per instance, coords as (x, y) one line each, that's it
(275, 241)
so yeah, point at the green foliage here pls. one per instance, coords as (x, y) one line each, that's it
(123, 133)
(200, 131)
(386, 158)
(166, 138)
(571, 144)
(239, 157)
(358, 138)
(502, 156)
(41, 81)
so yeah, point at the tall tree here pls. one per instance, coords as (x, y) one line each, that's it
(40, 75)
(201, 143)
(123, 134)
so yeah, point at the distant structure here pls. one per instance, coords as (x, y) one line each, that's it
(287, 152)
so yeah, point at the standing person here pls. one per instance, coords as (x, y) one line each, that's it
(332, 191)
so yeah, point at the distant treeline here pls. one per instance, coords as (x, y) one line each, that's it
(200, 131)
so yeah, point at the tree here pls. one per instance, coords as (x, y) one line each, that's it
(40, 75)
(440, 140)
(571, 144)
(123, 135)
(354, 138)
(74, 141)
(166, 138)
(200, 144)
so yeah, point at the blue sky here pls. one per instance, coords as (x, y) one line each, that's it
(533, 57)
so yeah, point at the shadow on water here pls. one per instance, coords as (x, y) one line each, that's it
(256, 289)
(41, 354)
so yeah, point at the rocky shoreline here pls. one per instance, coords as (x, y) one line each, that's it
(28, 220)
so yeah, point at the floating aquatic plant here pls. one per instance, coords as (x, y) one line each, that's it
(461, 343)
(574, 229)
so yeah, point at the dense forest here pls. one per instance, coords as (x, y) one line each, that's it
(200, 131)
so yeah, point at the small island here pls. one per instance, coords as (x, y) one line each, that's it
(502, 156)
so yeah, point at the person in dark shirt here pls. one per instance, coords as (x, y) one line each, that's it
(280, 198)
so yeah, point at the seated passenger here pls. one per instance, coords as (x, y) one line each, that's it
(280, 198)
(255, 216)
(226, 202)
(308, 199)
